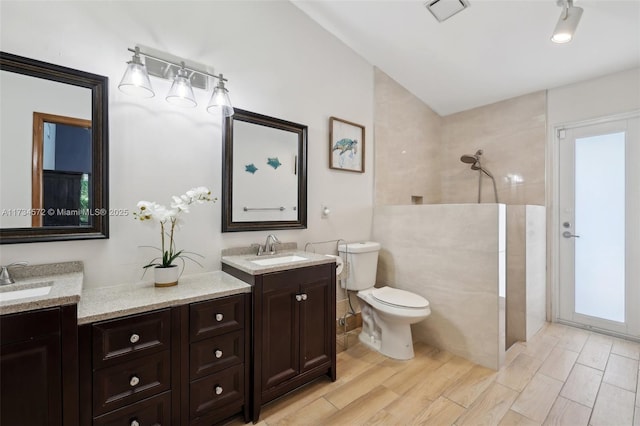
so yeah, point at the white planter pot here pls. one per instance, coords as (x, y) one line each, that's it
(166, 277)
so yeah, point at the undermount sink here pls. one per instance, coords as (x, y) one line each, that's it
(34, 290)
(290, 258)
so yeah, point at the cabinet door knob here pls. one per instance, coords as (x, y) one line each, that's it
(218, 390)
(134, 381)
(134, 338)
(218, 353)
(304, 296)
(298, 297)
(219, 317)
(134, 422)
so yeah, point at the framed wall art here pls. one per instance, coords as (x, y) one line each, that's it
(346, 145)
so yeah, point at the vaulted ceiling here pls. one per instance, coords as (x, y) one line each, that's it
(493, 50)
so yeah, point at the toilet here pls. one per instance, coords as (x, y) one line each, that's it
(387, 313)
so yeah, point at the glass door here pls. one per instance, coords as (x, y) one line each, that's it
(599, 226)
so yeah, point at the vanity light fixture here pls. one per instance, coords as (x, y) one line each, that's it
(567, 23)
(181, 92)
(136, 80)
(220, 99)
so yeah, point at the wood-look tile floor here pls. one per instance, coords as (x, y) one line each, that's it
(563, 376)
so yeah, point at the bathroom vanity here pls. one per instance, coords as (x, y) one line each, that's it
(174, 356)
(218, 345)
(38, 346)
(294, 320)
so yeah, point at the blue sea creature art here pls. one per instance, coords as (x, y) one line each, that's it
(250, 168)
(274, 162)
(345, 145)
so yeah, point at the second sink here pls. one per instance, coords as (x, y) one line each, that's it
(290, 258)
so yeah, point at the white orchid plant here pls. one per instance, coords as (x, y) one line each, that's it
(169, 218)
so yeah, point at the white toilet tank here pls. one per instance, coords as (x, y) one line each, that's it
(362, 260)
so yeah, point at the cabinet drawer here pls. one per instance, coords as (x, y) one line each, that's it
(215, 354)
(216, 391)
(130, 337)
(131, 381)
(25, 326)
(215, 317)
(152, 411)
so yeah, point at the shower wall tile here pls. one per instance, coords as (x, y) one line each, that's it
(407, 137)
(449, 254)
(512, 134)
(536, 266)
(526, 269)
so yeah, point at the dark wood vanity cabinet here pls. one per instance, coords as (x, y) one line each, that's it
(294, 329)
(184, 365)
(218, 381)
(126, 370)
(38, 367)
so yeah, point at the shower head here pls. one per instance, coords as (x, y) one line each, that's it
(472, 159)
(469, 159)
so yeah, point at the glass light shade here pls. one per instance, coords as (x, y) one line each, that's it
(136, 81)
(181, 92)
(567, 24)
(220, 101)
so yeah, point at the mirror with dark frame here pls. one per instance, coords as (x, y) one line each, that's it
(54, 145)
(264, 173)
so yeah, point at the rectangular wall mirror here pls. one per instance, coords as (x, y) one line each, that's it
(264, 173)
(53, 144)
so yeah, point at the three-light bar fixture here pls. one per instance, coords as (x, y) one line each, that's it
(136, 81)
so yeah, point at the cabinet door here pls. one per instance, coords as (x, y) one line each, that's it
(280, 329)
(31, 382)
(315, 324)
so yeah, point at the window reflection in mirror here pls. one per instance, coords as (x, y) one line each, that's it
(27, 104)
(61, 175)
(53, 152)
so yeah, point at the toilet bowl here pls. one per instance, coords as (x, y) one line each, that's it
(387, 313)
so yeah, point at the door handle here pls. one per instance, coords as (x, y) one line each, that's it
(568, 234)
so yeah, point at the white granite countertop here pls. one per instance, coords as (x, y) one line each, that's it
(97, 304)
(245, 262)
(65, 280)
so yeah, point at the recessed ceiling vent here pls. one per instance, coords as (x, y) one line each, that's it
(445, 9)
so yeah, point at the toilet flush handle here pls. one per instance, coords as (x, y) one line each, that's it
(568, 234)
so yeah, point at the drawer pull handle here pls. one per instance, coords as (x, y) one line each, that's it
(134, 422)
(218, 390)
(298, 297)
(134, 381)
(135, 338)
(304, 296)
(219, 317)
(218, 353)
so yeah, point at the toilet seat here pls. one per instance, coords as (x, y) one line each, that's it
(399, 298)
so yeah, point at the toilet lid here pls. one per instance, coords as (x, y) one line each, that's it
(397, 297)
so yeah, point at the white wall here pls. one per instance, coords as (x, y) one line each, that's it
(278, 62)
(609, 95)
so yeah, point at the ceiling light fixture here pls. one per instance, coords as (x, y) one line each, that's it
(136, 80)
(567, 23)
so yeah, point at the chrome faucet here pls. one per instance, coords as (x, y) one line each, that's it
(5, 278)
(269, 245)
